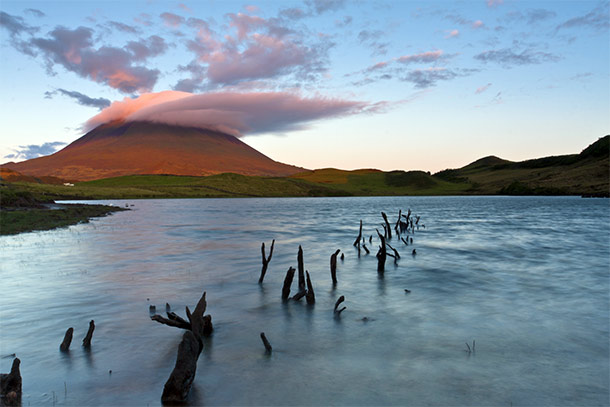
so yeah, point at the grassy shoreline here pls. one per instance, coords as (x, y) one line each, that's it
(22, 211)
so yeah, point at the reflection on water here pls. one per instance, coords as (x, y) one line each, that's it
(527, 278)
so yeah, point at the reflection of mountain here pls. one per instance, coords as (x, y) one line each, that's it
(121, 148)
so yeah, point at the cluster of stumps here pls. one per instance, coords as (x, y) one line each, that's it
(197, 326)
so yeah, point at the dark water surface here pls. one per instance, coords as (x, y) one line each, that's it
(526, 277)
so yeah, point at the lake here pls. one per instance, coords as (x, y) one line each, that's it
(527, 278)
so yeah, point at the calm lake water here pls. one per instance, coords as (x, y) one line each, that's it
(527, 278)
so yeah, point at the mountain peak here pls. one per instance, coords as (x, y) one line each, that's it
(125, 148)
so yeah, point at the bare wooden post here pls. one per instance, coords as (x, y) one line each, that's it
(287, 283)
(357, 241)
(381, 255)
(310, 296)
(388, 228)
(396, 227)
(268, 347)
(87, 338)
(10, 385)
(333, 266)
(65, 345)
(265, 260)
(301, 268)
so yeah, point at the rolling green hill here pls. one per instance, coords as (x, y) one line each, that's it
(576, 174)
(573, 174)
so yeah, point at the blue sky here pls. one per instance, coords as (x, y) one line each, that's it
(388, 85)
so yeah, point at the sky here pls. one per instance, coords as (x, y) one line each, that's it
(393, 85)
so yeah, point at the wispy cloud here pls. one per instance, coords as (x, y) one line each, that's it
(117, 25)
(453, 34)
(34, 150)
(482, 89)
(80, 98)
(34, 12)
(372, 39)
(508, 57)
(172, 20)
(494, 3)
(596, 18)
(425, 78)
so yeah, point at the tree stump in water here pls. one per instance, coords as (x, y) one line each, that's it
(310, 296)
(333, 266)
(381, 255)
(265, 260)
(268, 347)
(387, 223)
(287, 283)
(10, 385)
(339, 301)
(65, 345)
(87, 338)
(357, 241)
(301, 268)
(179, 383)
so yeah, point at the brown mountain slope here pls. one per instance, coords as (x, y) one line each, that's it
(121, 148)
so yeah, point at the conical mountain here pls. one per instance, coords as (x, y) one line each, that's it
(126, 148)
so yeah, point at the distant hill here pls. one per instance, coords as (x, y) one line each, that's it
(572, 174)
(120, 148)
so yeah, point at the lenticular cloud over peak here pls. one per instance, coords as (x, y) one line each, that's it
(231, 112)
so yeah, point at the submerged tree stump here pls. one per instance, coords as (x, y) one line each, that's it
(65, 345)
(387, 225)
(310, 296)
(179, 383)
(339, 301)
(266, 343)
(357, 241)
(266, 260)
(87, 338)
(333, 266)
(381, 255)
(287, 283)
(10, 385)
(301, 268)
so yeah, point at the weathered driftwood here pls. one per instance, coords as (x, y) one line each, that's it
(310, 296)
(381, 254)
(87, 338)
(357, 241)
(266, 260)
(404, 241)
(10, 385)
(339, 301)
(65, 345)
(387, 223)
(179, 383)
(333, 266)
(397, 226)
(268, 347)
(172, 322)
(287, 283)
(396, 254)
(301, 268)
(366, 249)
(299, 295)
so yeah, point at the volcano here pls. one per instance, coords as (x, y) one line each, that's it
(127, 148)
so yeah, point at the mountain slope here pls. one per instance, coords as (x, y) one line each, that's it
(572, 174)
(120, 148)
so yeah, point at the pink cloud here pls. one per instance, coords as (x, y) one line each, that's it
(482, 88)
(453, 34)
(493, 3)
(172, 20)
(429, 56)
(378, 65)
(231, 112)
(73, 49)
(477, 24)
